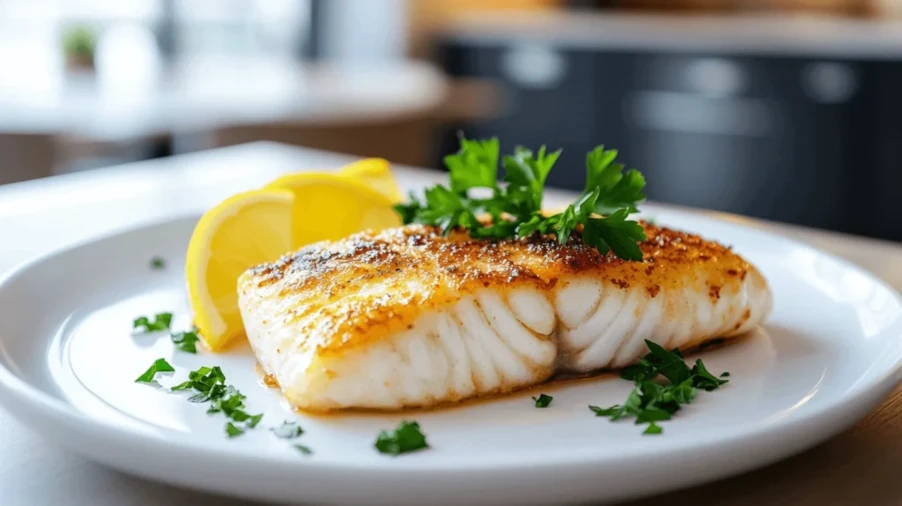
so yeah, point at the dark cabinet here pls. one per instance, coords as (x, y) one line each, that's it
(553, 97)
(771, 138)
(809, 141)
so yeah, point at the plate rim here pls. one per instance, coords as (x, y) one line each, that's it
(27, 401)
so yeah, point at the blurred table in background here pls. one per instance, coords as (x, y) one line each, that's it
(206, 93)
(387, 110)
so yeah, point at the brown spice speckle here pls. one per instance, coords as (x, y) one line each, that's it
(620, 283)
(714, 293)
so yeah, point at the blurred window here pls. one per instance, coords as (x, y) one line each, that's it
(275, 27)
(271, 26)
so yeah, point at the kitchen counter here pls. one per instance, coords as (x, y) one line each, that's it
(786, 34)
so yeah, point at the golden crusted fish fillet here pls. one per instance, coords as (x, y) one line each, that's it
(408, 318)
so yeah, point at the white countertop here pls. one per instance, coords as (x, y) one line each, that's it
(767, 34)
(42, 215)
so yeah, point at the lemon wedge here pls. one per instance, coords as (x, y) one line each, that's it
(244, 230)
(330, 206)
(375, 173)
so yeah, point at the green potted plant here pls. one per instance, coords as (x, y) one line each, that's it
(79, 43)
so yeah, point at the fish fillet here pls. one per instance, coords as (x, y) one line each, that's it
(409, 318)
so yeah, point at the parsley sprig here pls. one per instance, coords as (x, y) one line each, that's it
(600, 214)
(650, 401)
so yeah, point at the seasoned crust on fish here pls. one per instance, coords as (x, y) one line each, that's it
(407, 317)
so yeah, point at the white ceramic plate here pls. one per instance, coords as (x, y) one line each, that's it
(68, 361)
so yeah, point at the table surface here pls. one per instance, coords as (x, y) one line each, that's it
(859, 466)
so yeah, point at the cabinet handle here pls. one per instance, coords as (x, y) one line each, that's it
(533, 65)
(829, 82)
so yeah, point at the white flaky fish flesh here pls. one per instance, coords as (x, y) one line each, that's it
(409, 318)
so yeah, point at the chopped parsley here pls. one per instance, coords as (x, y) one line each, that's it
(542, 401)
(186, 341)
(600, 214)
(704, 379)
(291, 430)
(233, 430)
(407, 437)
(159, 365)
(288, 430)
(653, 428)
(160, 322)
(209, 385)
(650, 401)
(157, 263)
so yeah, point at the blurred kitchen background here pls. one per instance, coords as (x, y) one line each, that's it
(789, 110)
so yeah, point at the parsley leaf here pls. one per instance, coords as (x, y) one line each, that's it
(684, 393)
(475, 165)
(233, 430)
(288, 430)
(303, 449)
(542, 401)
(159, 365)
(186, 341)
(615, 233)
(185, 385)
(704, 379)
(409, 211)
(653, 428)
(600, 215)
(641, 370)
(160, 322)
(407, 437)
(617, 190)
(604, 411)
(526, 174)
(669, 364)
(653, 415)
(157, 263)
(254, 420)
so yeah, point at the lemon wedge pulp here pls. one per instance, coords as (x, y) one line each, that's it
(244, 230)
